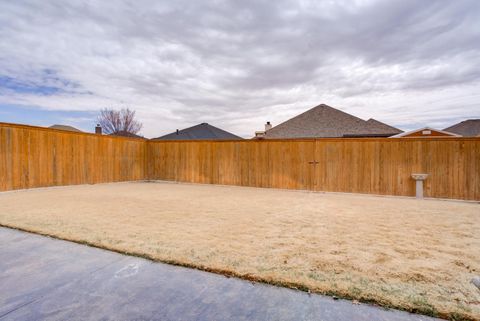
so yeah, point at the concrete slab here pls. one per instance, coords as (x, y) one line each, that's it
(43, 278)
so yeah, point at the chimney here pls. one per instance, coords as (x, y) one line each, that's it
(98, 129)
(268, 126)
(178, 131)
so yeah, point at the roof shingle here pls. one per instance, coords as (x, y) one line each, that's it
(198, 132)
(124, 133)
(65, 127)
(325, 121)
(466, 128)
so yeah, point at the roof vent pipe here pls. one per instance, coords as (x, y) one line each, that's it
(268, 126)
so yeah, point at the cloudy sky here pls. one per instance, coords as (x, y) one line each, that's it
(237, 64)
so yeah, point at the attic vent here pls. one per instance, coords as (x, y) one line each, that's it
(426, 132)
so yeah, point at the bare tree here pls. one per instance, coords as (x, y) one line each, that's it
(119, 121)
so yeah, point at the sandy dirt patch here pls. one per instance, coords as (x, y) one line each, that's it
(399, 252)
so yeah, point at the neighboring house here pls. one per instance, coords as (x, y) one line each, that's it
(200, 131)
(326, 122)
(426, 132)
(65, 127)
(123, 133)
(466, 128)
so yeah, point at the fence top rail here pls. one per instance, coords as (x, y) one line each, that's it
(39, 128)
(339, 139)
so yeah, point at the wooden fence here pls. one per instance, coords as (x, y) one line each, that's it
(376, 165)
(35, 156)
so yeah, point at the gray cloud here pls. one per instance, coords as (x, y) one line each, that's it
(237, 64)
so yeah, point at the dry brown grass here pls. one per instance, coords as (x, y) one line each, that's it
(404, 253)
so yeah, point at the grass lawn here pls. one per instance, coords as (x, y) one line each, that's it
(398, 252)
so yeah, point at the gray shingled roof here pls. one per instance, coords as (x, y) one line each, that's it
(124, 133)
(200, 131)
(326, 121)
(382, 126)
(466, 128)
(65, 127)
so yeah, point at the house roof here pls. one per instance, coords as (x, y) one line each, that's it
(326, 121)
(382, 126)
(65, 127)
(124, 133)
(466, 128)
(200, 131)
(437, 131)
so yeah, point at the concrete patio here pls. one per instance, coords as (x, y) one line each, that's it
(47, 279)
